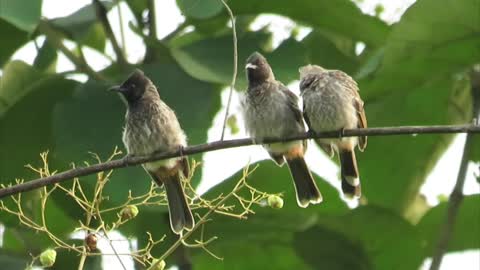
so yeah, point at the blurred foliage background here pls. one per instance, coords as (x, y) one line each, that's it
(410, 73)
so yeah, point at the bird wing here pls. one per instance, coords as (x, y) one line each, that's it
(292, 102)
(352, 86)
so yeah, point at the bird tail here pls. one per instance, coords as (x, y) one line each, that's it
(350, 176)
(180, 215)
(305, 186)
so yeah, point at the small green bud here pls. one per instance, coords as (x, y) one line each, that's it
(129, 212)
(379, 9)
(232, 124)
(47, 258)
(156, 265)
(275, 201)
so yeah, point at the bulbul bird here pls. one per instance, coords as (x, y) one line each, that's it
(271, 110)
(151, 126)
(331, 102)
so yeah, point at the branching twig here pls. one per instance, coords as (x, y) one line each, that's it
(79, 62)
(457, 196)
(102, 17)
(235, 64)
(201, 148)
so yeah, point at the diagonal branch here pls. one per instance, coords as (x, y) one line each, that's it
(102, 16)
(201, 148)
(457, 195)
(54, 37)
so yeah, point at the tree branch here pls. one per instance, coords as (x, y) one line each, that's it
(456, 197)
(128, 161)
(102, 16)
(54, 37)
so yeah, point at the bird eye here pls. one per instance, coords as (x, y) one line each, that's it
(133, 85)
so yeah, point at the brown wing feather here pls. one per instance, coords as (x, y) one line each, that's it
(351, 85)
(293, 105)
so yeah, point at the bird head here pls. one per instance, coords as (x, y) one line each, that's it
(134, 87)
(257, 68)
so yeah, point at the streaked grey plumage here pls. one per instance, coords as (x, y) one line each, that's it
(151, 126)
(271, 110)
(331, 102)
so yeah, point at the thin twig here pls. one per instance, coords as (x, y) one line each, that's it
(102, 16)
(456, 197)
(122, 30)
(212, 146)
(54, 38)
(235, 64)
(152, 20)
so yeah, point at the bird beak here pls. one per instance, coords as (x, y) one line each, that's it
(116, 88)
(251, 66)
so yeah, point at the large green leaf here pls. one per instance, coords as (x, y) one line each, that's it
(341, 16)
(24, 14)
(393, 168)
(82, 26)
(201, 62)
(25, 131)
(416, 51)
(374, 229)
(466, 233)
(46, 58)
(417, 84)
(252, 255)
(322, 51)
(15, 39)
(18, 80)
(26, 128)
(327, 249)
(200, 9)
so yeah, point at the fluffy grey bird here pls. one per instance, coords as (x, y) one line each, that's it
(151, 126)
(271, 110)
(331, 102)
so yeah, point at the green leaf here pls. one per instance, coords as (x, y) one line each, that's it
(416, 51)
(327, 249)
(322, 14)
(263, 256)
(24, 14)
(13, 89)
(18, 134)
(201, 62)
(465, 234)
(15, 39)
(375, 229)
(325, 53)
(395, 167)
(46, 58)
(200, 9)
(83, 26)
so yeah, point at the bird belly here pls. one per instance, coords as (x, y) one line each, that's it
(142, 139)
(331, 112)
(272, 118)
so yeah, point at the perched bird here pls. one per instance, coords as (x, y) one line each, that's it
(271, 110)
(331, 102)
(151, 126)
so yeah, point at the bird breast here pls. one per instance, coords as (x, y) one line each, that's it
(150, 129)
(330, 107)
(267, 115)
